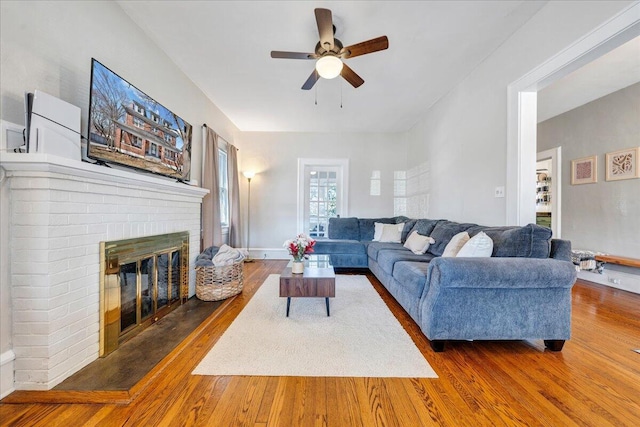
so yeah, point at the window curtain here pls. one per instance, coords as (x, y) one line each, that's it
(211, 226)
(235, 229)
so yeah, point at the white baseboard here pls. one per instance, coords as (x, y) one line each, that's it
(614, 279)
(6, 373)
(269, 253)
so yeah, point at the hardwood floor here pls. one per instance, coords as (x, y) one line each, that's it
(594, 381)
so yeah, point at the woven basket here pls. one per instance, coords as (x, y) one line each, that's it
(218, 283)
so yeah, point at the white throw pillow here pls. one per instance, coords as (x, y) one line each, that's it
(455, 244)
(479, 245)
(417, 243)
(377, 231)
(391, 233)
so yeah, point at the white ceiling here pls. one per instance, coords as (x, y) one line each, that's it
(611, 72)
(224, 48)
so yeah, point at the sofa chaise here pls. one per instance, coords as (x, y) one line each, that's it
(522, 291)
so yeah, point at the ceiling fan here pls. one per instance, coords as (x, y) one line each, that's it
(330, 53)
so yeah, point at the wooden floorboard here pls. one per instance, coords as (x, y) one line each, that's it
(594, 381)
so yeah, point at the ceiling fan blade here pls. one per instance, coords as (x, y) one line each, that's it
(325, 28)
(292, 55)
(349, 75)
(313, 78)
(370, 46)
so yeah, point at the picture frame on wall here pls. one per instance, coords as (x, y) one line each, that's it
(584, 170)
(623, 164)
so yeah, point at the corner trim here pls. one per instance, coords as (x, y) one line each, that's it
(7, 369)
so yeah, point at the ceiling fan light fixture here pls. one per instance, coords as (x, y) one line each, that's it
(329, 66)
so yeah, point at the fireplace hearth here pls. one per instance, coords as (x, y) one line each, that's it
(141, 280)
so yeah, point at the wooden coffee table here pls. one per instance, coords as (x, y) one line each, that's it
(318, 280)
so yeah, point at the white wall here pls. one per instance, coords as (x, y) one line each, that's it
(604, 216)
(274, 156)
(48, 45)
(463, 138)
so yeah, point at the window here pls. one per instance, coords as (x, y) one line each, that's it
(374, 187)
(153, 149)
(399, 193)
(136, 141)
(138, 109)
(223, 179)
(137, 122)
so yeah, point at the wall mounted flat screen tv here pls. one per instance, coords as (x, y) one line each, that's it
(128, 127)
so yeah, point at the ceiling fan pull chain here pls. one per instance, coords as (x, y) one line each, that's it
(316, 91)
(340, 93)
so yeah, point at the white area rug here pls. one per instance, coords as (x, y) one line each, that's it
(361, 338)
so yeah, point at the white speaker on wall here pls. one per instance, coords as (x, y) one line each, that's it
(53, 126)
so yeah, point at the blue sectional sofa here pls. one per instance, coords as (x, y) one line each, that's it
(523, 291)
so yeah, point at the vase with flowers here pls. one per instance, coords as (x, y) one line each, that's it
(299, 248)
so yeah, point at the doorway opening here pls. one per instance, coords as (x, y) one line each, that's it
(522, 107)
(549, 190)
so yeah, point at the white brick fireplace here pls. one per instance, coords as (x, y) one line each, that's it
(59, 212)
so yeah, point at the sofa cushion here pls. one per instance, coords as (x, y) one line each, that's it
(417, 243)
(425, 226)
(443, 232)
(479, 246)
(367, 227)
(339, 246)
(344, 228)
(455, 244)
(412, 275)
(408, 228)
(530, 241)
(387, 258)
(374, 248)
(391, 233)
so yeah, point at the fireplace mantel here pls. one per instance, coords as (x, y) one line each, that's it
(25, 164)
(59, 212)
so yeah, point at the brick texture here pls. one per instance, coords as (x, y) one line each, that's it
(57, 224)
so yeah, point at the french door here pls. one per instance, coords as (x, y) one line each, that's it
(322, 195)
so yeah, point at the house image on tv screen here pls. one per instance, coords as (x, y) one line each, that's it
(128, 127)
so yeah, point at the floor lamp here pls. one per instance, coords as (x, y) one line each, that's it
(248, 175)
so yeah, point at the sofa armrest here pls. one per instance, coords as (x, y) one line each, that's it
(500, 273)
(497, 298)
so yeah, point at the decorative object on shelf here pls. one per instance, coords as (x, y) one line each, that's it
(623, 164)
(299, 248)
(248, 175)
(584, 170)
(543, 190)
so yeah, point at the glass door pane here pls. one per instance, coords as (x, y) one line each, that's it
(146, 288)
(321, 199)
(128, 295)
(175, 275)
(163, 280)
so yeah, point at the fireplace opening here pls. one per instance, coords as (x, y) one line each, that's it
(142, 280)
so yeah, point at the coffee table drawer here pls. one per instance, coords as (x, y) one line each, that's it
(307, 287)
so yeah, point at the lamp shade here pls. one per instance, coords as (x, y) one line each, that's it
(249, 174)
(329, 66)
